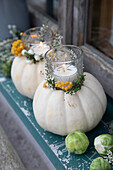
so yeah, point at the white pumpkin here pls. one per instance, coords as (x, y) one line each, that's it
(26, 77)
(62, 113)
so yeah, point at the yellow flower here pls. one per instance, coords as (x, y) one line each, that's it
(71, 83)
(59, 85)
(69, 86)
(66, 88)
(62, 83)
(17, 48)
(45, 84)
(67, 82)
(58, 82)
(21, 33)
(63, 88)
(51, 52)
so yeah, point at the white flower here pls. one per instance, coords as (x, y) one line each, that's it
(4, 41)
(9, 26)
(37, 58)
(29, 61)
(14, 26)
(23, 51)
(1, 43)
(11, 32)
(30, 52)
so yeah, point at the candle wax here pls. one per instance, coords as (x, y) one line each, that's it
(65, 73)
(40, 49)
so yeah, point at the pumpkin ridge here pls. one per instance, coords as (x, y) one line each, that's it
(35, 100)
(23, 70)
(65, 112)
(20, 80)
(47, 102)
(37, 70)
(95, 95)
(95, 117)
(93, 79)
(39, 66)
(83, 109)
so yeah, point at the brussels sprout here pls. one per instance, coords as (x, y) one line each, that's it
(103, 143)
(100, 164)
(77, 142)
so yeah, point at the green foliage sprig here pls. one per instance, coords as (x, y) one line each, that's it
(49, 79)
(77, 85)
(57, 41)
(6, 68)
(73, 55)
(14, 32)
(43, 29)
(30, 57)
(6, 57)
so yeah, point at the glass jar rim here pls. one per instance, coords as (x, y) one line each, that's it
(32, 29)
(68, 61)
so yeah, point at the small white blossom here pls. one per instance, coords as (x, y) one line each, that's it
(11, 32)
(9, 26)
(73, 54)
(109, 156)
(41, 29)
(37, 57)
(23, 51)
(5, 41)
(30, 52)
(1, 43)
(57, 40)
(14, 26)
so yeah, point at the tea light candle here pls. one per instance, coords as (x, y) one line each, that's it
(65, 72)
(40, 49)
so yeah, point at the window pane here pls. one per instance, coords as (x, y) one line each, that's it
(100, 25)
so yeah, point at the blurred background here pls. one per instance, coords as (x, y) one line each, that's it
(90, 21)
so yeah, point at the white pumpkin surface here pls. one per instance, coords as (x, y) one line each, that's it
(62, 113)
(26, 77)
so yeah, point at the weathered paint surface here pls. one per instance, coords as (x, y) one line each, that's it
(54, 142)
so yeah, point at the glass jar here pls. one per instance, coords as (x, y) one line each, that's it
(65, 63)
(33, 36)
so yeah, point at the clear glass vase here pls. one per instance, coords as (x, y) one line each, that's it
(65, 63)
(34, 36)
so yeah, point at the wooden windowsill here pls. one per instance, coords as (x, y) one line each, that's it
(100, 68)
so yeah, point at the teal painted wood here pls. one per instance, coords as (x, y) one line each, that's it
(54, 145)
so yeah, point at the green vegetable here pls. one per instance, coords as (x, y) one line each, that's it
(100, 164)
(77, 142)
(103, 143)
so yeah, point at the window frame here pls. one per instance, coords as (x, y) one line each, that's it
(91, 47)
(95, 61)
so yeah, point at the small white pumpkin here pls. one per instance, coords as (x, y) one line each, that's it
(62, 113)
(26, 77)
